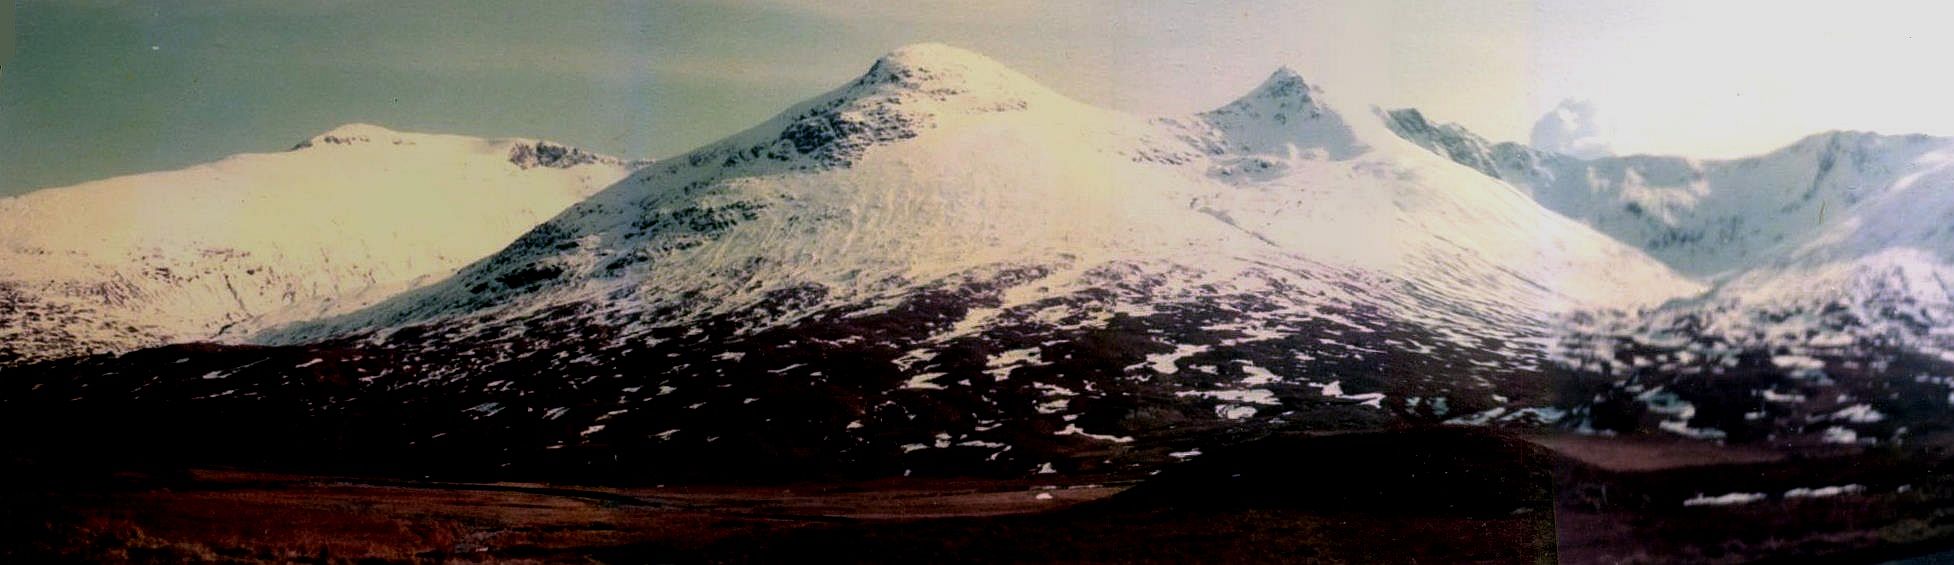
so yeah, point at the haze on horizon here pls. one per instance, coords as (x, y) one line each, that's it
(100, 88)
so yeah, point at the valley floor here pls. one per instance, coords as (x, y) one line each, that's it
(1519, 503)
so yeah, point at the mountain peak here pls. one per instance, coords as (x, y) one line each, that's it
(942, 69)
(935, 54)
(904, 93)
(1282, 83)
(532, 153)
(352, 133)
(1284, 112)
(1284, 89)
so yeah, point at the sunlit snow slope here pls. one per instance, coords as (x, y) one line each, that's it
(940, 266)
(1857, 223)
(1831, 314)
(943, 266)
(940, 163)
(343, 220)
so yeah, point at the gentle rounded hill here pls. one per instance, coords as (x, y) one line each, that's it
(343, 220)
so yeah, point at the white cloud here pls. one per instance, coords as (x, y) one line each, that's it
(1577, 128)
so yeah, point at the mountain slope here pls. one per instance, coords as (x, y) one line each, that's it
(1832, 271)
(1836, 217)
(1828, 196)
(939, 161)
(940, 266)
(343, 220)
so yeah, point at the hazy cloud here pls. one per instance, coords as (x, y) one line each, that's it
(1577, 128)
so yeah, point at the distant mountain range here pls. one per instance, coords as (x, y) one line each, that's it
(1841, 239)
(943, 266)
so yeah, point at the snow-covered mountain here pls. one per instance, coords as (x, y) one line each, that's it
(940, 163)
(941, 264)
(1712, 219)
(1832, 259)
(210, 252)
(1839, 216)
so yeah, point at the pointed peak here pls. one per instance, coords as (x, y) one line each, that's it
(1284, 75)
(1282, 112)
(928, 54)
(903, 93)
(1285, 89)
(935, 66)
(1282, 84)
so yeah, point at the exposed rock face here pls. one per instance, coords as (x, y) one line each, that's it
(545, 154)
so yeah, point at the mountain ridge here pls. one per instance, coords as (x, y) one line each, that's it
(202, 252)
(940, 266)
(1832, 254)
(918, 89)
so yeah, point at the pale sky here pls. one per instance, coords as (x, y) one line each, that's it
(102, 88)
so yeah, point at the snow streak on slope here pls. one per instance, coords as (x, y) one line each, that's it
(939, 161)
(343, 220)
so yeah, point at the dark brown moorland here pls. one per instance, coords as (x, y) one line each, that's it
(1432, 495)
